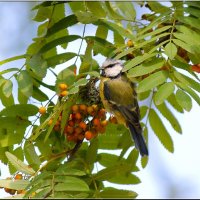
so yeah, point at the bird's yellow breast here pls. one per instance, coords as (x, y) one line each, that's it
(107, 105)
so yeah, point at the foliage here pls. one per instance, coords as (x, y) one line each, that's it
(162, 56)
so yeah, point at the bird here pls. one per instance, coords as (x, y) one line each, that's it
(119, 98)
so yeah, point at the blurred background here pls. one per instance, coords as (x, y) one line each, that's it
(167, 175)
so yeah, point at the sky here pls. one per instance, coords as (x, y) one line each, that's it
(167, 175)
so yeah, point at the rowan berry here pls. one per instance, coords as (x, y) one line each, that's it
(88, 135)
(42, 110)
(63, 86)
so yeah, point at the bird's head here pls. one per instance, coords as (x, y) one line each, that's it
(111, 68)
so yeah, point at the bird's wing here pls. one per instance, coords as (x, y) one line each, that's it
(121, 95)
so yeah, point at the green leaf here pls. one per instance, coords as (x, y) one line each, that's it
(13, 59)
(152, 81)
(191, 21)
(64, 171)
(189, 91)
(183, 100)
(158, 7)
(38, 64)
(171, 50)
(116, 28)
(86, 17)
(113, 13)
(160, 131)
(62, 24)
(71, 184)
(31, 155)
(25, 83)
(66, 76)
(193, 11)
(92, 152)
(7, 88)
(187, 80)
(15, 185)
(19, 165)
(143, 111)
(101, 46)
(101, 32)
(113, 193)
(127, 9)
(39, 95)
(184, 45)
(60, 58)
(144, 161)
(137, 60)
(165, 111)
(173, 102)
(108, 140)
(164, 92)
(146, 68)
(110, 172)
(96, 8)
(23, 110)
(58, 41)
(108, 160)
(124, 178)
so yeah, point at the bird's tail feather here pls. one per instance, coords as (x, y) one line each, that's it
(138, 139)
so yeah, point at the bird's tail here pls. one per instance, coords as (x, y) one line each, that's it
(138, 139)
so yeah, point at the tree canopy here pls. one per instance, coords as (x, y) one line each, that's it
(63, 146)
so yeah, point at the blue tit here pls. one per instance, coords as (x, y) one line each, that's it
(120, 99)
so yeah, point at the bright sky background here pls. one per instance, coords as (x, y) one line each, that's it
(166, 175)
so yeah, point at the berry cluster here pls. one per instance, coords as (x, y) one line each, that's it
(12, 191)
(63, 89)
(84, 122)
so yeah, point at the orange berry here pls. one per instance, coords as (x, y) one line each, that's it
(102, 113)
(42, 110)
(96, 122)
(18, 176)
(88, 135)
(50, 122)
(90, 110)
(64, 93)
(196, 68)
(60, 118)
(12, 191)
(95, 107)
(71, 123)
(68, 129)
(78, 116)
(83, 108)
(78, 130)
(63, 86)
(104, 122)
(83, 125)
(7, 190)
(21, 191)
(56, 128)
(130, 43)
(70, 137)
(81, 136)
(113, 120)
(75, 108)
